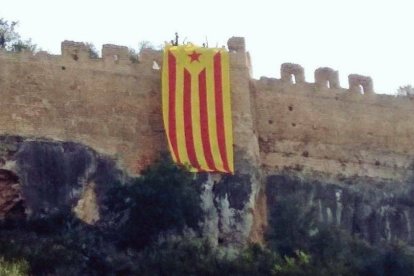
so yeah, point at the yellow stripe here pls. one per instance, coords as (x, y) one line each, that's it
(227, 108)
(182, 149)
(211, 106)
(165, 100)
(195, 109)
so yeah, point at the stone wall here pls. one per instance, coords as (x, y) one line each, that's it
(113, 104)
(323, 128)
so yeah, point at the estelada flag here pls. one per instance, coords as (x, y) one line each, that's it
(196, 107)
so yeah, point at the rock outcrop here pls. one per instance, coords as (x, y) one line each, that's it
(49, 177)
(369, 209)
(11, 201)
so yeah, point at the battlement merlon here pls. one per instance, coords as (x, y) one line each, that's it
(326, 77)
(238, 55)
(356, 82)
(74, 50)
(149, 55)
(287, 70)
(114, 53)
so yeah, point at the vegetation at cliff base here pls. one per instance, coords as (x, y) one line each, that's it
(154, 229)
(13, 268)
(163, 200)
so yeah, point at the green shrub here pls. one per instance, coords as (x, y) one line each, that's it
(291, 226)
(164, 199)
(332, 250)
(156, 222)
(13, 268)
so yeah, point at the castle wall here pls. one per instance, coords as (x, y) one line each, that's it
(308, 127)
(111, 104)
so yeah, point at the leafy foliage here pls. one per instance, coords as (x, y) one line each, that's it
(164, 199)
(13, 268)
(93, 53)
(133, 56)
(196, 256)
(311, 248)
(10, 39)
(293, 225)
(298, 265)
(406, 90)
(7, 32)
(145, 44)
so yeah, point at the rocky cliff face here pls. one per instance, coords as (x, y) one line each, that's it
(376, 211)
(11, 201)
(40, 178)
(47, 177)
(229, 202)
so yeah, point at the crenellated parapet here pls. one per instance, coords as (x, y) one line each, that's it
(116, 55)
(80, 54)
(325, 78)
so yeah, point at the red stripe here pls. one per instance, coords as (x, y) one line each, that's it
(188, 124)
(205, 136)
(172, 131)
(218, 93)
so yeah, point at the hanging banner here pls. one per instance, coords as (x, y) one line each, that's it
(197, 107)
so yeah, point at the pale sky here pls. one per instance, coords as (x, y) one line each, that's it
(367, 37)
